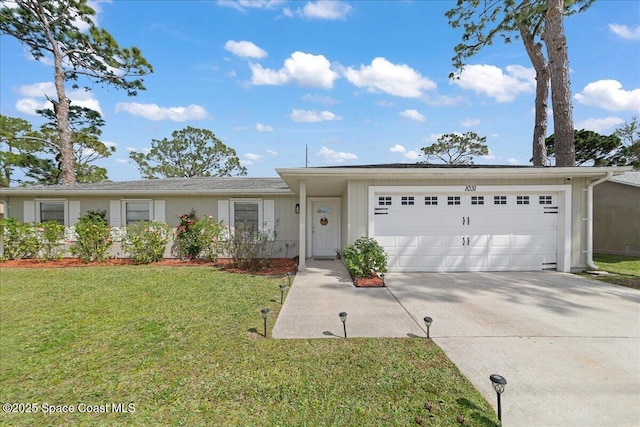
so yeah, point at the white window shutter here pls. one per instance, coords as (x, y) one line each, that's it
(74, 212)
(29, 213)
(223, 213)
(269, 214)
(158, 211)
(115, 213)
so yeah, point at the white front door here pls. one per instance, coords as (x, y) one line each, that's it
(325, 227)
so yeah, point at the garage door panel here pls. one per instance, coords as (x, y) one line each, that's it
(471, 237)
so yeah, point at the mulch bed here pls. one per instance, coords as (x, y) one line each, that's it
(368, 282)
(276, 267)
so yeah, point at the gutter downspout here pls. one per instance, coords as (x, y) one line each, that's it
(589, 218)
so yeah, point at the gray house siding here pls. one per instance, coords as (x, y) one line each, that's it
(617, 219)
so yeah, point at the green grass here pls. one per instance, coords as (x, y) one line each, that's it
(185, 346)
(624, 270)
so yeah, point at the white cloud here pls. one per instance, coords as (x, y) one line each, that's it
(608, 94)
(599, 125)
(251, 158)
(122, 160)
(491, 81)
(243, 5)
(625, 32)
(332, 156)
(319, 99)
(263, 128)
(30, 105)
(412, 155)
(33, 92)
(303, 69)
(313, 116)
(110, 144)
(513, 161)
(413, 115)
(244, 49)
(145, 150)
(468, 122)
(156, 113)
(326, 9)
(383, 76)
(272, 153)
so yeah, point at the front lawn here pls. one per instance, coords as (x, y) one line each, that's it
(184, 346)
(624, 270)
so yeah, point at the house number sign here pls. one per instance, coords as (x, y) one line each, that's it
(470, 188)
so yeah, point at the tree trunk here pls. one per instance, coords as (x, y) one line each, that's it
(556, 43)
(534, 50)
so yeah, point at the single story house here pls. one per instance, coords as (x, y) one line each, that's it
(427, 217)
(617, 215)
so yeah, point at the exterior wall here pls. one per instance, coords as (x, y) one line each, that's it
(358, 202)
(284, 209)
(616, 225)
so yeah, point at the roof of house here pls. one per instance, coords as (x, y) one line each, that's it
(182, 186)
(628, 178)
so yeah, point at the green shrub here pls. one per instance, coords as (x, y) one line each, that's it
(199, 237)
(93, 237)
(146, 241)
(51, 234)
(20, 239)
(251, 249)
(211, 232)
(365, 258)
(188, 236)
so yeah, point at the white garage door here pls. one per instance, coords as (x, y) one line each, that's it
(467, 232)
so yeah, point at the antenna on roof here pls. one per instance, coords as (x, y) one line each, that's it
(306, 156)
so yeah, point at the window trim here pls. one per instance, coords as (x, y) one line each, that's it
(39, 202)
(124, 202)
(232, 211)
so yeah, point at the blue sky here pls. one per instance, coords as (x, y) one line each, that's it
(357, 82)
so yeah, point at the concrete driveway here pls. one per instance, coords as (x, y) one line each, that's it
(568, 347)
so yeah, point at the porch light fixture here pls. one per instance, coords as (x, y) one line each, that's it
(265, 313)
(297, 208)
(427, 322)
(282, 287)
(498, 383)
(343, 317)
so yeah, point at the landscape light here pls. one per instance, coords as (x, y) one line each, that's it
(343, 317)
(282, 287)
(427, 321)
(265, 313)
(498, 383)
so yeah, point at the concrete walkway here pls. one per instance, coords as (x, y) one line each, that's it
(568, 347)
(324, 290)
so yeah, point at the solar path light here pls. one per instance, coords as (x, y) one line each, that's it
(343, 317)
(289, 277)
(498, 383)
(427, 322)
(282, 287)
(265, 313)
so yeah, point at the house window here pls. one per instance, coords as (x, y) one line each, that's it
(430, 200)
(522, 200)
(51, 211)
(546, 200)
(499, 200)
(453, 200)
(477, 200)
(137, 211)
(246, 216)
(407, 201)
(384, 201)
